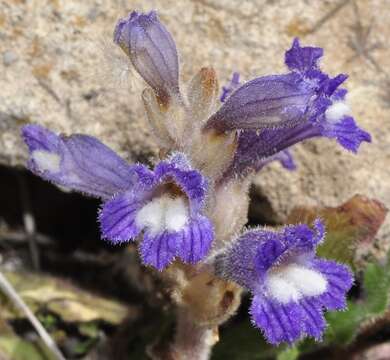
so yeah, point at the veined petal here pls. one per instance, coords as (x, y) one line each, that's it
(191, 244)
(347, 133)
(313, 321)
(339, 279)
(279, 322)
(287, 322)
(77, 162)
(266, 102)
(118, 217)
(177, 169)
(159, 249)
(196, 239)
(151, 50)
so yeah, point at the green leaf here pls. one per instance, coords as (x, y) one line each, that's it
(291, 353)
(343, 325)
(376, 284)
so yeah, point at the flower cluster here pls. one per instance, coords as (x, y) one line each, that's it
(195, 200)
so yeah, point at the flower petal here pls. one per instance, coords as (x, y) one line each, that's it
(250, 257)
(160, 249)
(118, 218)
(313, 320)
(347, 133)
(339, 279)
(287, 322)
(196, 239)
(178, 169)
(301, 238)
(279, 322)
(78, 162)
(302, 59)
(265, 102)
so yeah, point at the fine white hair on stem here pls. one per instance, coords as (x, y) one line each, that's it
(8, 289)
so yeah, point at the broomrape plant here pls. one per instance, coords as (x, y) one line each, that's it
(187, 214)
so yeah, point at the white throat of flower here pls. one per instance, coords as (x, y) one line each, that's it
(163, 213)
(294, 282)
(46, 161)
(337, 111)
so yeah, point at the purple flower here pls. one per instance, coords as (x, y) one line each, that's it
(291, 287)
(78, 162)
(284, 157)
(165, 204)
(278, 111)
(151, 50)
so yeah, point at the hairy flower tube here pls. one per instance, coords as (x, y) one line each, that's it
(195, 200)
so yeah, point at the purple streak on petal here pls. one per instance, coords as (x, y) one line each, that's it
(265, 102)
(117, 217)
(85, 164)
(280, 323)
(232, 86)
(340, 280)
(313, 321)
(196, 240)
(151, 50)
(160, 249)
(302, 59)
(287, 322)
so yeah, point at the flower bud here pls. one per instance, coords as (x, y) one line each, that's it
(151, 50)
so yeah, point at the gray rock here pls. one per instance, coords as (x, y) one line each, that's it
(9, 57)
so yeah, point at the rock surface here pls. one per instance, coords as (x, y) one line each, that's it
(70, 78)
